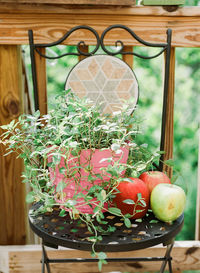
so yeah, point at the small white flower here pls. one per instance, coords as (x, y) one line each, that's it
(132, 144)
(117, 113)
(118, 152)
(115, 147)
(73, 144)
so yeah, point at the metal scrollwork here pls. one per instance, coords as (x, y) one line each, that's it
(78, 46)
(119, 42)
(99, 42)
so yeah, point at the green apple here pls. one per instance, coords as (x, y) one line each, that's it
(167, 202)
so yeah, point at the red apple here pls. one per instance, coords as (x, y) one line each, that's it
(153, 178)
(132, 197)
(168, 202)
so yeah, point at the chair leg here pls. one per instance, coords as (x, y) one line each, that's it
(43, 264)
(45, 260)
(170, 265)
(167, 259)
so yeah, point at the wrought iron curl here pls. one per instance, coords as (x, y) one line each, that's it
(83, 44)
(120, 44)
(78, 46)
(134, 35)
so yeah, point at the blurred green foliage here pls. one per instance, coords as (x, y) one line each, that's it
(192, 2)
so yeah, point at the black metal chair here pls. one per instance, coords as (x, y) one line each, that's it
(150, 231)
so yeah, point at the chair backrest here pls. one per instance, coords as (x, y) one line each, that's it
(106, 83)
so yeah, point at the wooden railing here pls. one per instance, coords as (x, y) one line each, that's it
(49, 22)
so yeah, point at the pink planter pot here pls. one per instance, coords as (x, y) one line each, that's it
(91, 164)
(93, 160)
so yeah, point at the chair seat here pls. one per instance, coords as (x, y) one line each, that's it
(62, 231)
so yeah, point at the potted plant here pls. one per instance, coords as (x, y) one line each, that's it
(76, 156)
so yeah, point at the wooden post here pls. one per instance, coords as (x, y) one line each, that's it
(169, 129)
(40, 63)
(84, 49)
(12, 204)
(128, 58)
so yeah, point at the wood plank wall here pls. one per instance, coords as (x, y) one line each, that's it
(49, 22)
